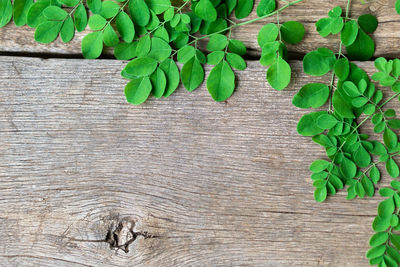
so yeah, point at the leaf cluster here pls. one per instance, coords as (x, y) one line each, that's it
(161, 40)
(168, 44)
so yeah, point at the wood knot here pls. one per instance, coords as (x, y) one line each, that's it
(120, 234)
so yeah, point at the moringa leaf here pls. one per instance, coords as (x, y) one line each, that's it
(221, 81)
(278, 75)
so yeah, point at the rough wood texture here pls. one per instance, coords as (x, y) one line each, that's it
(205, 183)
(387, 36)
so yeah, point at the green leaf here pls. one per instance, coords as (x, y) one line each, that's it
(269, 53)
(192, 74)
(159, 6)
(351, 89)
(138, 90)
(206, 10)
(160, 49)
(326, 121)
(386, 207)
(368, 186)
(292, 32)
(67, 30)
(394, 123)
(217, 42)
(267, 34)
(342, 68)
(201, 57)
(230, 4)
(389, 138)
(397, 6)
(236, 61)
(278, 75)
(162, 33)
(395, 184)
(125, 27)
(312, 95)
(380, 64)
(169, 14)
(390, 113)
(319, 166)
(337, 25)
(5, 12)
(336, 181)
(368, 23)
(92, 45)
(324, 26)
(348, 168)
(243, 8)
(125, 51)
(94, 6)
(20, 11)
(80, 18)
(362, 157)
(55, 13)
(35, 14)
(109, 9)
(172, 73)
(395, 240)
(144, 46)
(359, 188)
(386, 192)
(159, 82)
(380, 224)
(154, 21)
(349, 33)
(97, 22)
(139, 67)
(48, 31)
(378, 239)
(221, 82)
(392, 168)
(215, 57)
(237, 47)
(319, 62)
(185, 54)
(359, 102)
(307, 125)
(341, 106)
(110, 37)
(393, 253)
(363, 47)
(265, 7)
(320, 194)
(139, 11)
(376, 252)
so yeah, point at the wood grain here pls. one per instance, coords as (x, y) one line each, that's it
(387, 36)
(205, 183)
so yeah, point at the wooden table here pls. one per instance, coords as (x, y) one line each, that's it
(183, 181)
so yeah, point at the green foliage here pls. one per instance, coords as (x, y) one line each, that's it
(155, 35)
(353, 34)
(271, 39)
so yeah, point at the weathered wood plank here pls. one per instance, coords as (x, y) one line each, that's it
(208, 184)
(387, 36)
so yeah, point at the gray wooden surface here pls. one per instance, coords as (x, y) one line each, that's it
(182, 181)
